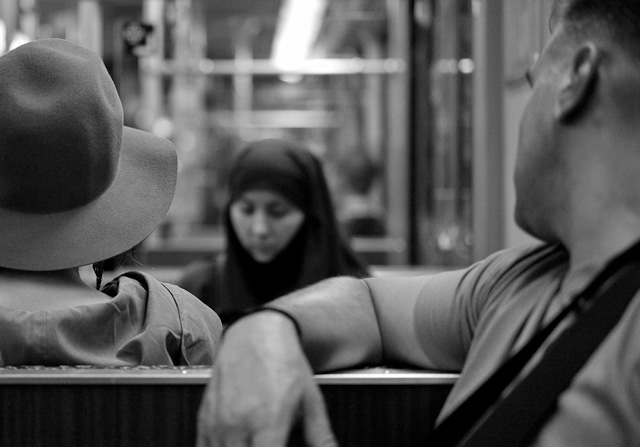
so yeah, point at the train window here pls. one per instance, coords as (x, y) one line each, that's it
(380, 90)
(236, 71)
(442, 131)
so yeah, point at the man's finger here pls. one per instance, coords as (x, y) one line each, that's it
(209, 438)
(317, 427)
(271, 438)
(204, 439)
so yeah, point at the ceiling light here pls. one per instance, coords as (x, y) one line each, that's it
(296, 32)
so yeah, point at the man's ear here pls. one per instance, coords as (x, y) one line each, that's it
(578, 82)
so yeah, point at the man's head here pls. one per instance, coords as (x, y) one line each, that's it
(585, 96)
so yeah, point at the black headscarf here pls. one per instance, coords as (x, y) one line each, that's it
(316, 252)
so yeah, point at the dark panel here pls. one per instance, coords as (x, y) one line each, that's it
(165, 415)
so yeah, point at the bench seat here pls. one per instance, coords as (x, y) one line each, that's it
(157, 406)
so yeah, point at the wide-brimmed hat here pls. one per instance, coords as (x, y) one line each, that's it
(76, 185)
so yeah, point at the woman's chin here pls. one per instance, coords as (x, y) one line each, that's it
(263, 257)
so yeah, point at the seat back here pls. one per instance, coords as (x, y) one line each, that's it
(82, 406)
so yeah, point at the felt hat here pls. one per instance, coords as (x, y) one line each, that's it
(76, 185)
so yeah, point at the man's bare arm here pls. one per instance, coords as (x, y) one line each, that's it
(338, 321)
(349, 322)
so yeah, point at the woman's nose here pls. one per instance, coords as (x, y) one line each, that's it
(260, 224)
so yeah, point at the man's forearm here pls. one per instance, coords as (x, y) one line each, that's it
(339, 328)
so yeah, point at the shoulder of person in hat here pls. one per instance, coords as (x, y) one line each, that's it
(46, 290)
(577, 181)
(76, 186)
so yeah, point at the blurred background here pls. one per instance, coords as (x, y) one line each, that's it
(412, 105)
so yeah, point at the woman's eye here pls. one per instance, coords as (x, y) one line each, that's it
(246, 208)
(278, 211)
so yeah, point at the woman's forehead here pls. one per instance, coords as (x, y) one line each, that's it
(263, 195)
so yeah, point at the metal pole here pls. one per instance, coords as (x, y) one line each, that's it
(488, 187)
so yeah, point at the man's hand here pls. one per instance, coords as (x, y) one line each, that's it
(262, 383)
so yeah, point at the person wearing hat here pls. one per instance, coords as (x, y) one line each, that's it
(281, 232)
(78, 187)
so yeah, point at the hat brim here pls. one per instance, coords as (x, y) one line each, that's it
(123, 216)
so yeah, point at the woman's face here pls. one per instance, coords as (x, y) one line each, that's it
(265, 222)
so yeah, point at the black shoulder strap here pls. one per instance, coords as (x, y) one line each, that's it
(485, 420)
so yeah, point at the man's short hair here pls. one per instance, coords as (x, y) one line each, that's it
(620, 19)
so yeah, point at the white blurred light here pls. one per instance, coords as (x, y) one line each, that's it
(297, 30)
(466, 66)
(162, 127)
(18, 39)
(3, 37)
(293, 78)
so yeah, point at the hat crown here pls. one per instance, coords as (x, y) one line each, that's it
(60, 134)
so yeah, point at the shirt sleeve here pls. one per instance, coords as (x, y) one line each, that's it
(201, 328)
(439, 313)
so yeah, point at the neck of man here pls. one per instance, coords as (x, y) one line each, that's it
(602, 214)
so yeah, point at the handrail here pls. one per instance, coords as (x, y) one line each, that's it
(89, 375)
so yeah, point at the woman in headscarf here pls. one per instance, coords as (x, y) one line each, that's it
(281, 232)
